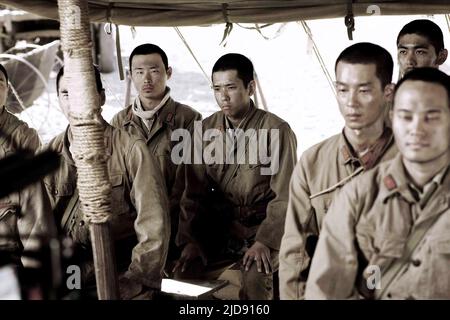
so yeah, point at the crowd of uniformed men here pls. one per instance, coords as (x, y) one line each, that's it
(378, 193)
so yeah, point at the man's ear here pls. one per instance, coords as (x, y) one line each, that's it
(389, 92)
(251, 87)
(169, 72)
(102, 97)
(442, 56)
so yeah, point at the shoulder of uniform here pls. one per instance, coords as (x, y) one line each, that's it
(185, 109)
(56, 143)
(326, 147)
(213, 119)
(183, 116)
(13, 120)
(122, 116)
(125, 139)
(272, 120)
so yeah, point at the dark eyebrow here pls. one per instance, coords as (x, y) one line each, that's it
(364, 84)
(420, 46)
(403, 110)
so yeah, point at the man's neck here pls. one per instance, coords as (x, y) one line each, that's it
(421, 173)
(236, 121)
(362, 139)
(150, 104)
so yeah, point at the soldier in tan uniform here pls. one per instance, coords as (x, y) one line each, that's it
(387, 234)
(250, 197)
(140, 221)
(363, 85)
(153, 116)
(21, 213)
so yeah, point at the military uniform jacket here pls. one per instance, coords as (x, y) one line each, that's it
(16, 135)
(172, 116)
(244, 186)
(369, 224)
(139, 203)
(21, 213)
(318, 176)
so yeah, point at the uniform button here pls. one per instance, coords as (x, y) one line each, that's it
(81, 223)
(376, 250)
(55, 192)
(389, 295)
(416, 262)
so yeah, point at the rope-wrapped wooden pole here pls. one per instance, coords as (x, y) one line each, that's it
(88, 146)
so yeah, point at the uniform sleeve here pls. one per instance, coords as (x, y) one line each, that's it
(28, 139)
(299, 226)
(271, 229)
(190, 204)
(179, 184)
(115, 121)
(35, 223)
(152, 224)
(334, 265)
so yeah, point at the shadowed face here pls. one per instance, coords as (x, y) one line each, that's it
(421, 121)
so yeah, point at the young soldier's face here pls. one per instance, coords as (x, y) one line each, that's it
(231, 94)
(415, 51)
(149, 76)
(359, 94)
(421, 121)
(3, 89)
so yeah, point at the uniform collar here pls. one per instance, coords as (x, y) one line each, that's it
(372, 156)
(395, 180)
(166, 115)
(247, 118)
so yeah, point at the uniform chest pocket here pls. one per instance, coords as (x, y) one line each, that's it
(7, 209)
(8, 224)
(118, 197)
(379, 247)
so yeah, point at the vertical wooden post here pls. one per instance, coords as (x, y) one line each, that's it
(88, 147)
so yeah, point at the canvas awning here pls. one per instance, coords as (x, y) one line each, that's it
(204, 12)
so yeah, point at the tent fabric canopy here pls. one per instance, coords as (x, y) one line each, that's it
(206, 12)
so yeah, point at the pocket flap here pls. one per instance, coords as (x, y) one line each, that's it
(116, 180)
(392, 247)
(441, 245)
(63, 189)
(6, 208)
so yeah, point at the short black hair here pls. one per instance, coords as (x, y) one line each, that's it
(427, 29)
(98, 79)
(238, 62)
(427, 74)
(2, 69)
(149, 48)
(367, 53)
